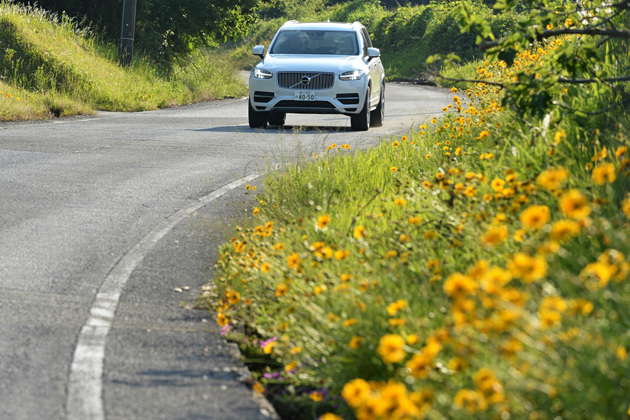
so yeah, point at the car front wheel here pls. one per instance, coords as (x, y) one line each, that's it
(361, 121)
(277, 118)
(378, 115)
(256, 119)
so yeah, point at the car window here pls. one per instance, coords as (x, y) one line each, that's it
(366, 37)
(315, 42)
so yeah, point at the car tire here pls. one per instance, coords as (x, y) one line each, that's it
(257, 119)
(378, 115)
(361, 121)
(277, 118)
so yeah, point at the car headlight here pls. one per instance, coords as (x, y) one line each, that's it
(262, 74)
(351, 75)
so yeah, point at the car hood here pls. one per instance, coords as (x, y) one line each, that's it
(323, 63)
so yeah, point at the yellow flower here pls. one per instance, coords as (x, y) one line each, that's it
(581, 306)
(495, 235)
(549, 319)
(415, 220)
(497, 184)
(472, 400)
(563, 230)
(349, 322)
(598, 274)
(604, 173)
(552, 179)
(291, 366)
(356, 392)
(256, 211)
(535, 216)
(281, 290)
(396, 322)
(355, 342)
(528, 268)
(574, 205)
(330, 416)
(359, 232)
(412, 339)
(427, 156)
(625, 206)
(222, 320)
(393, 169)
(259, 388)
(394, 307)
(458, 285)
(269, 347)
(294, 260)
(400, 202)
(316, 396)
(390, 348)
(233, 297)
(296, 350)
(340, 254)
(458, 364)
(420, 365)
(323, 221)
(395, 144)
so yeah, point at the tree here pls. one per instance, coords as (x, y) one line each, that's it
(590, 42)
(165, 29)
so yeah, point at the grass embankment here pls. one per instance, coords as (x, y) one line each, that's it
(406, 36)
(55, 69)
(476, 268)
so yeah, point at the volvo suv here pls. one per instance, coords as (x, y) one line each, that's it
(318, 68)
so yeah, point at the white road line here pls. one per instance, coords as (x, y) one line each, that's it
(85, 386)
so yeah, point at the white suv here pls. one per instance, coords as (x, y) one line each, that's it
(318, 68)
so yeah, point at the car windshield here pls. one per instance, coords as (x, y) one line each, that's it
(315, 42)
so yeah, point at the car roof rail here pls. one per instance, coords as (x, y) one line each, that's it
(291, 22)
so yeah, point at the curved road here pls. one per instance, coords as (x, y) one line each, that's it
(102, 219)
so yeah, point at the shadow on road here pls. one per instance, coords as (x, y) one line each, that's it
(275, 129)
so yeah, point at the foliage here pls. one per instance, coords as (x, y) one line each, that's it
(165, 29)
(58, 70)
(476, 268)
(594, 57)
(406, 36)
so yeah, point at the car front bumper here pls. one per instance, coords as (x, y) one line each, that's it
(344, 97)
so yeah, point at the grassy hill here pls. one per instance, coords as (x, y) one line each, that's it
(49, 67)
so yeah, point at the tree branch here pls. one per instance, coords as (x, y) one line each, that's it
(567, 31)
(501, 85)
(595, 112)
(584, 81)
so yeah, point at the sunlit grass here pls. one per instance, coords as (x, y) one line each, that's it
(475, 268)
(49, 57)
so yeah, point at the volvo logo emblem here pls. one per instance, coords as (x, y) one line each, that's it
(306, 80)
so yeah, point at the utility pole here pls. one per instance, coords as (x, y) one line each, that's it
(127, 31)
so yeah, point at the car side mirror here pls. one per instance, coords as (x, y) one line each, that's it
(259, 50)
(373, 53)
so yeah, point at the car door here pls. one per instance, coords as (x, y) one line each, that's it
(375, 69)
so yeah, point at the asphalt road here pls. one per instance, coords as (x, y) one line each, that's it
(101, 218)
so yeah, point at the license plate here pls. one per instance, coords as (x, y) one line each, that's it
(304, 95)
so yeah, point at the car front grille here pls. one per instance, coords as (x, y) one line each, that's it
(304, 104)
(293, 80)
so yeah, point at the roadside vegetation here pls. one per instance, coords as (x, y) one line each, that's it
(477, 267)
(49, 66)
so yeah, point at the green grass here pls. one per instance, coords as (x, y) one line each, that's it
(60, 70)
(353, 249)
